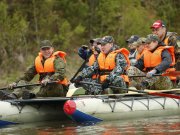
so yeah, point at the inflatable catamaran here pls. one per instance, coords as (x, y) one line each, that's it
(88, 108)
(122, 106)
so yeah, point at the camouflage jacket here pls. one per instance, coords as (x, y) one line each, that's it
(60, 70)
(165, 64)
(172, 41)
(121, 64)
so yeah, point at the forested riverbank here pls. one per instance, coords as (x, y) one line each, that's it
(71, 23)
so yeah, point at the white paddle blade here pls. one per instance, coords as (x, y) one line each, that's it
(71, 92)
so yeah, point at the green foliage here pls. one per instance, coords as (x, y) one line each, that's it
(71, 23)
(12, 37)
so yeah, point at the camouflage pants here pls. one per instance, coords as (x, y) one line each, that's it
(50, 90)
(90, 88)
(156, 83)
(118, 82)
(94, 89)
(19, 91)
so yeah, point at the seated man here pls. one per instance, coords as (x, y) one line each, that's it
(160, 29)
(132, 48)
(140, 47)
(95, 48)
(156, 59)
(112, 65)
(90, 56)
(51, 66)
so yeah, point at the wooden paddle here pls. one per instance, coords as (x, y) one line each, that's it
(80, 68)
(154, 93)
(139, 91)
(171, 73)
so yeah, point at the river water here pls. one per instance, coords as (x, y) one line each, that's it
(169, 125)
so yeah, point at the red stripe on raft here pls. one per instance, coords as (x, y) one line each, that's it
(69, 107)
(164, 95)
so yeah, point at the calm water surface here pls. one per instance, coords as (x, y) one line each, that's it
(169, 125)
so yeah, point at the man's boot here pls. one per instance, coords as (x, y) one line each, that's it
(27, 95)
(4, 95)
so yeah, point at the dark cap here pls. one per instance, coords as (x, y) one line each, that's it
(132, 39)
(152, 37)
(97, 40)
(140, 41)
(157, 24)
(107, 39)
(45, 43)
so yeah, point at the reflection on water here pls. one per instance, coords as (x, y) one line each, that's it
(160, 126)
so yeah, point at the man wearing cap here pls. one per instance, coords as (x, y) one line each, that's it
(132, 48)
(112, 65)
(140, 46)
(51, 66)
(90, 56)
(156, 59)
(168, 38)
(95, 48)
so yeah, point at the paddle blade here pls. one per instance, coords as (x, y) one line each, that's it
(164, 95)
(172, 73)
(71, 92)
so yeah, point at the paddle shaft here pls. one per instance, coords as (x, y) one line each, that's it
(170, 73)
(27, 85)
(143, 75)
(80, 69)
(149, 93)
(139, 91)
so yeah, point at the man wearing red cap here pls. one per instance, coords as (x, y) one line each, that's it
(168, 38)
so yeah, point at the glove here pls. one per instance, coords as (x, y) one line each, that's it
(105, 85)
(77, 81)
(45, 81)
(12, 85)
(151, 73)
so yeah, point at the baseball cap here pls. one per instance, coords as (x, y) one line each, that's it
(132, 39)
(45, 43)
(157, 24)
(152, 37)
(140, 41)
(97, 40)
(107, 39)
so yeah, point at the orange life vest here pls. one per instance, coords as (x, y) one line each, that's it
(138, 56)
(92, 59)
(152, 60)
(166, 40)
(49, 64)
(108, 63)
